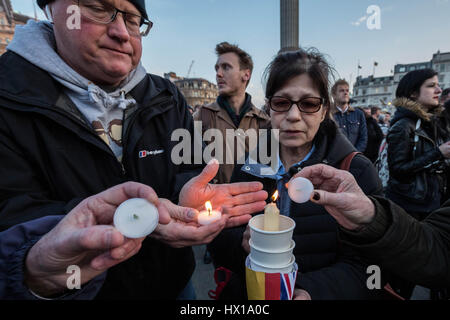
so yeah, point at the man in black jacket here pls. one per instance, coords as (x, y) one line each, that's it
(79, 114)
(382, 231)
(374, 133)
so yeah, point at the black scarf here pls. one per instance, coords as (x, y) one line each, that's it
(223, 103)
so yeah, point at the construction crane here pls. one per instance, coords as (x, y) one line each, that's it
(190, 69)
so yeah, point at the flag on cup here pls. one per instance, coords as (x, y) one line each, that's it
(270, 286)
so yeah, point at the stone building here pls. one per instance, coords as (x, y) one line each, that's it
(441, 64)
(197, 91)
(380, 91)
(377, 91)
(8, 22)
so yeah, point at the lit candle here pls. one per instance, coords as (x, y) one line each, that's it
(136, 218)
(272, 215)
(300, 190)
(209, 215)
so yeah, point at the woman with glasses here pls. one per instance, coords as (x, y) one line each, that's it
(297, 95)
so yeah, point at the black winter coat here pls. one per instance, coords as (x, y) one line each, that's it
(417, 251)
(51, 159)
(416, 178)
(327, 269)
(374, 138)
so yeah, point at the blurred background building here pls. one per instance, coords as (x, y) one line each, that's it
(8, 22)
(197, 91)
(441, 63)
(380, 91)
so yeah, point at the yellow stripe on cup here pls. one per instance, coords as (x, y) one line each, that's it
(256, 284)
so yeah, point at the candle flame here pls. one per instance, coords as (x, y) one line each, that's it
(208, 206)
(275, 196)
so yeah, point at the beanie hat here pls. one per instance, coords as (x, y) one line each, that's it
(140, 5)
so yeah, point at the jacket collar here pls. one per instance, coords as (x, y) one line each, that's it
(331, 147)
(415, 108)
(252, 112)
(349, 109)
(23, 84)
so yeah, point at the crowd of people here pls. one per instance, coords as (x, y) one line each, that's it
(77, 108)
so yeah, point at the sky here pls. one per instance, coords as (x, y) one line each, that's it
(188, 30)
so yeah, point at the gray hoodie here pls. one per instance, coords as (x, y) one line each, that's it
(35, 42)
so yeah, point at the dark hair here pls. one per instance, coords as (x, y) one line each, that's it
(445, 92)
(245, 60)
(412, 81)
(447, 105)
(288, 65)
(340, 82)
(374, 109)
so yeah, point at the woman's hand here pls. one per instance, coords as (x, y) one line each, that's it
(237, 200)
(339, 193)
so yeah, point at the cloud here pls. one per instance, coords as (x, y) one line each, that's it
(390, 8)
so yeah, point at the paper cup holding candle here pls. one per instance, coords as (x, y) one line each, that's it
(271, 240)
(209, 215)
(271, 270)
(272, 258)
(136, 218)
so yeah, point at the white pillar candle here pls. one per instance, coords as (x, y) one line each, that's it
(300, 190)
(136, 218)
(209, 215)
(272, 215)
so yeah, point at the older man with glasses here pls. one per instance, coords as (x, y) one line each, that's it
(79, 114)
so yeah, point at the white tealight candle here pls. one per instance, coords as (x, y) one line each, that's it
(209, 215)
(300, 190)
(136, 218)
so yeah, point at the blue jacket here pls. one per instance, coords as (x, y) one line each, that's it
(353, 125)
(14, 245)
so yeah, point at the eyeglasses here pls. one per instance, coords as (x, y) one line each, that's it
(101, 12)
(305, 105)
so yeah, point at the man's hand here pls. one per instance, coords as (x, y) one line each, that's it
(180, 234)
(339, 193)
(183, 229)
(86, 238)
(238, 200)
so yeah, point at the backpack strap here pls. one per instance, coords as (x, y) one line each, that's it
(345, 164)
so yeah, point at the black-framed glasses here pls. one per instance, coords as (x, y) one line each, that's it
(102, 12)
(305, 105)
